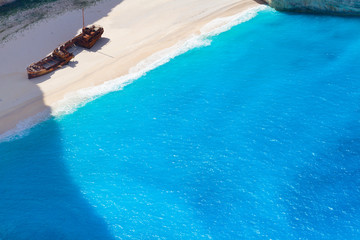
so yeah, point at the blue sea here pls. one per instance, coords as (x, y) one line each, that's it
(256, 136)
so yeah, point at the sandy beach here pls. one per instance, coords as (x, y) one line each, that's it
(134, 30)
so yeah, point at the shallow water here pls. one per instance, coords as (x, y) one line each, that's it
(253, 137)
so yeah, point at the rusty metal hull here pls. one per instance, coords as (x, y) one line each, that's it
(60, 56)
(42, 69)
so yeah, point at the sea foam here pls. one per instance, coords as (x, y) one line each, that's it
(73, 101)
(77, 99)
(23, 127)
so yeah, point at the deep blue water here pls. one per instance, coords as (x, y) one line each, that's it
(254, 137)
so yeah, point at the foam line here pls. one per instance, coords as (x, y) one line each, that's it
(23, 127)
(75, 100)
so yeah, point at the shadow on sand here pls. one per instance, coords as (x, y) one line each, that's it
(72, 64)
(38, 198)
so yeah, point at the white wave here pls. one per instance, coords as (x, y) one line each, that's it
(24, 126)
(75, 100)
(224, 24)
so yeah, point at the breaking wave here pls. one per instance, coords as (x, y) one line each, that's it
(77, 99)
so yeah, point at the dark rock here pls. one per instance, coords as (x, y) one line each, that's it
(341, 7)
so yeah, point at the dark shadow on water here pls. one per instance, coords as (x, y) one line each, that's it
(38, 199)
(324, 201)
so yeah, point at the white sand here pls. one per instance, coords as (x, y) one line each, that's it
(134, 30)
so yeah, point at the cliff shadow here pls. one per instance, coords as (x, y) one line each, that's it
(62, 29)
(38, 197)
(96, 49)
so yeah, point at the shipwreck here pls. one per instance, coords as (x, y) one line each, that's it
(61, 55)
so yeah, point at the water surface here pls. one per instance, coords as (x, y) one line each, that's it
(254, 137)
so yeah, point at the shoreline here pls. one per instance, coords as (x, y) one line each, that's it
(134, 31)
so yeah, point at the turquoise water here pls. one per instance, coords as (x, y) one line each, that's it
(254, 137)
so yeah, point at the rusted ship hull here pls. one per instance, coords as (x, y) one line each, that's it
(89, 36)
(53, 62)
(61, 56)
